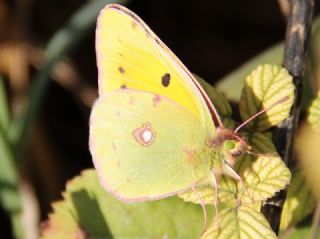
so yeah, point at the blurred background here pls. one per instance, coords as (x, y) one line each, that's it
(212, 38)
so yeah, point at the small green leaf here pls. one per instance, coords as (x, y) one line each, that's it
(239, 223)
(264, 87)
(88, 211)
(299, 202)
(265, 176)
(314, 113)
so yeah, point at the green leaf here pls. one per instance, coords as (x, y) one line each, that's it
(239, 223)
(265, 176)
(299, 202)
(61, 223)
(314, 113)
(89, 211)
(231, 84)
(264, 87)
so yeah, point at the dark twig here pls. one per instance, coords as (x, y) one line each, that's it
(296, 44)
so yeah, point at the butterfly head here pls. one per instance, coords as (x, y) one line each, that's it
(231, 144)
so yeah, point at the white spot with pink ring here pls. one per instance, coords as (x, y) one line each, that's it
(144, 135)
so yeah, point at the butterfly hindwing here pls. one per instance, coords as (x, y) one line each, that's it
(145, 146)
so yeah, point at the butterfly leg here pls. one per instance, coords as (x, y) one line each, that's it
(215, 185)
(228, 170)
(203, 207)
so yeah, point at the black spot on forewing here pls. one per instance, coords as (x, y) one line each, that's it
(121, 69)
(165, 79)
(123, 86)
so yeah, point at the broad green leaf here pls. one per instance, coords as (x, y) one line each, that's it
(314, 113)
(87, 209)
(231, 84)
(308, 149)
(239, 223)
(265, 86)
(265, 176)
(61, 224)
(299, 202)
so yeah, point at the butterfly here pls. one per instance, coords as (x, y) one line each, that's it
(154, 132)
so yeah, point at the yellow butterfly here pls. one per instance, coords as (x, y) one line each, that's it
(153, 130)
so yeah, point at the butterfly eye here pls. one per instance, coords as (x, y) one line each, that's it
(229, 144)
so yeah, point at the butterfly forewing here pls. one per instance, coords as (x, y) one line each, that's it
(130, 55)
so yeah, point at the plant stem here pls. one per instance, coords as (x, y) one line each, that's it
(296, 44)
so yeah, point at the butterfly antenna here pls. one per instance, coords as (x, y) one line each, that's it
(203, 207)
(284, 99)
(239, 138)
